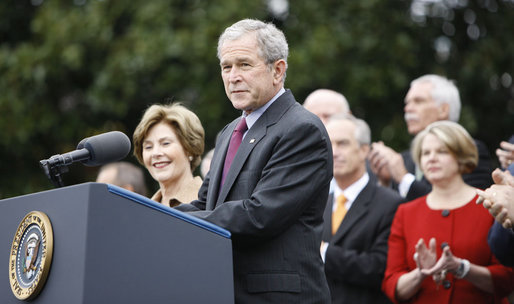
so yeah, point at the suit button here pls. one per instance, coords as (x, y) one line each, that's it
(445, 213)
(447, 284)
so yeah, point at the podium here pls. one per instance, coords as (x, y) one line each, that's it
(114, 246)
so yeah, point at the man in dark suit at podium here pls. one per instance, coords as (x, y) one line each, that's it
(270, 173)
(358, 218)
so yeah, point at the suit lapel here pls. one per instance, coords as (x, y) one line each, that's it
(251, 139)
(327, 219)
(217, 164)
(358, 210)
(256, 133)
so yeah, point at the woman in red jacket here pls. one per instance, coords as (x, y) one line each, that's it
(457, 266)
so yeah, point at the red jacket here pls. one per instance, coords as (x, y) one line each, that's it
(465, 229)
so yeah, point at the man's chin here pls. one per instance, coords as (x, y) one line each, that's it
(239, 104)
(413, 130)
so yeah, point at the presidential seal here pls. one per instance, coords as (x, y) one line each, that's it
(31, 255)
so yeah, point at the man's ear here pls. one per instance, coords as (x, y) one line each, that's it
(279, 70)
(444, 111)
(365, 150)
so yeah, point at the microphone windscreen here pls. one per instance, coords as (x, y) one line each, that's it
(105, 148)
(82, 143)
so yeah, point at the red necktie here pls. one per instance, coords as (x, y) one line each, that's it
(235, 142)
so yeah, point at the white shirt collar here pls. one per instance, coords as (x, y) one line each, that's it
(352, 191)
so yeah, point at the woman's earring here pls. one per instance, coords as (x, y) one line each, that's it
(190, 158)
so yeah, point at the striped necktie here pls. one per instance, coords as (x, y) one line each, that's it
(235, 142)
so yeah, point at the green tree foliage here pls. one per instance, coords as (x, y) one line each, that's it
(72, 69)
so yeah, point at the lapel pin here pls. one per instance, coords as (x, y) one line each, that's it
(252, 140)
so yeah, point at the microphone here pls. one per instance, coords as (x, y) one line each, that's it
(104, 148)
(91, 151)
(95, 150)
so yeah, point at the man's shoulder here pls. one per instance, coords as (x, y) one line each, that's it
(415, 205)
(293, 115)
(385, 195)
(302, 116)
(406, 154)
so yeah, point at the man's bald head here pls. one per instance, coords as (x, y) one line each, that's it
(325, 103)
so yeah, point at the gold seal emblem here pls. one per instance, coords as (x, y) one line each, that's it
(31, 255)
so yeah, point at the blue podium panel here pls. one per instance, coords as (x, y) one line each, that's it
(113, 246)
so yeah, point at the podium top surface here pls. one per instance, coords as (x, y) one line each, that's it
(165, 209)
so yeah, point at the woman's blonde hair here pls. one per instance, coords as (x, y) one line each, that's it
(185, 123)
(455, 138)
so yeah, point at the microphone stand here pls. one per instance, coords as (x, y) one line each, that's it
(53, 171)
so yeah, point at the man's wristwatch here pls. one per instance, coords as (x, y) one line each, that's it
(463, 269)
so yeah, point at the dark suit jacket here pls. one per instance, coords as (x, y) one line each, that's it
(272, 202)
(479, 178)
(356, 257)
(501, 242)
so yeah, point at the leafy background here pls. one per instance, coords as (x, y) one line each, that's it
(72, 69)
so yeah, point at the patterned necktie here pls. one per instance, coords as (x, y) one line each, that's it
(235, 142)
(339, 213)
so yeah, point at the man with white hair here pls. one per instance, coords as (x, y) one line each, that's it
(430, 98)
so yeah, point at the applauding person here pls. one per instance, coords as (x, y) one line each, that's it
(457, 266)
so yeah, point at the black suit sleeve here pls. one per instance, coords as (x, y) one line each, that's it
(418, 187)
(481, 176)
(501, 241)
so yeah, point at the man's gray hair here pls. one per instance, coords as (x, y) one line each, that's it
(271, 41)
(362, 130)
(443, 91)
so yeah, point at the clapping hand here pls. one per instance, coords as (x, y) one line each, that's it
(446, 263)
(386, 163)
(426, 258)
(499, 198)
(505, 154)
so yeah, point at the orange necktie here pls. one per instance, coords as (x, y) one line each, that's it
(339, 213)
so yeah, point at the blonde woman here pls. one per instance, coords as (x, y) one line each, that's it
(456, 266)
(169, 142)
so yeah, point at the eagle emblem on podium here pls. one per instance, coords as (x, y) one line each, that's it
(31, 255)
